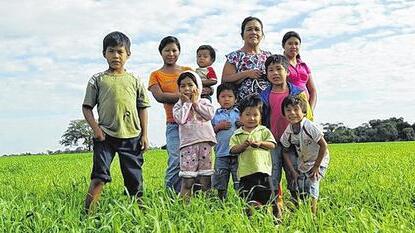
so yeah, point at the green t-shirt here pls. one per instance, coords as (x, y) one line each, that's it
(253, 160)
(117, 97)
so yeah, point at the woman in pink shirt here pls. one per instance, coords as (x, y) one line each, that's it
(300, 74)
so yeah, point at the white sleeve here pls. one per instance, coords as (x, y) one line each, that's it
(284, 138)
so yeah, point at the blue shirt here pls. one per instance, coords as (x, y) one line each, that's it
(222, 137)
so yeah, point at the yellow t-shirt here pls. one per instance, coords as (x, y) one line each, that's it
(167, 83)
(253, 160)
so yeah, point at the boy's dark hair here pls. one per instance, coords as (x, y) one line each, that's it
(184, 75)
(212, 52)
(246, 20)
(116, 39)
(225, 86)
(276, 59)
(250, 101)
(293, 101)
(167, 40)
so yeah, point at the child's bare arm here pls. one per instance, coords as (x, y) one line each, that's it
(287, 160)
(143, 115)
(240, 148)
(164, 97)
(323, 148)
(89, 117)
(209, 82)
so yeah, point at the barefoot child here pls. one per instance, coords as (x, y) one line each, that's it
(193, 115)
(205, 57)
(225, 122)
(121, 100)
(254, 142)
(313, 156)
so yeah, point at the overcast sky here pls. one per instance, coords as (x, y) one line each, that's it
(360, 53)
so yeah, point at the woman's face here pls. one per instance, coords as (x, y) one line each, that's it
(292, 47)
(252, 32)
(170, 53)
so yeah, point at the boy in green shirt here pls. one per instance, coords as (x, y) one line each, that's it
(121, 101)
(254, 142)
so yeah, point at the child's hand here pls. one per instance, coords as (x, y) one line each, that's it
(144, 143)
(99, 134)
(314, 173)
(256, 144)
(247, 143)
(223, 125)
(195, 95)
(294, 179)
(184, 98)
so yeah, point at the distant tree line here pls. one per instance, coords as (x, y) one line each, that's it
(392, 129)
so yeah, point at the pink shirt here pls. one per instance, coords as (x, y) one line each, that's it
(278, 121)
(299, 75)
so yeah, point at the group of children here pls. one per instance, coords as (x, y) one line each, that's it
(242, 135)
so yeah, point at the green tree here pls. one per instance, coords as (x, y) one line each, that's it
(409, 134)
(78, 131)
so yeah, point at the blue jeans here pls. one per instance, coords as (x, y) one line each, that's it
(172, 178)
(224, 168)
(276, 156)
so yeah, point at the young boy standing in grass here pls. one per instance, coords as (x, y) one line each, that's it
(254, 142)
(276, 68)
(313, 156)
(121, 101)
(225, 122)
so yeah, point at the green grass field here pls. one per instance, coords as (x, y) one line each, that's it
(367, 188)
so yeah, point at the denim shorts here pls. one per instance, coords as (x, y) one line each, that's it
(131, 161)
(308, 186)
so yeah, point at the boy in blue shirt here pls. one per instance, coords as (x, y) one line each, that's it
(225, 122)
(121, 101)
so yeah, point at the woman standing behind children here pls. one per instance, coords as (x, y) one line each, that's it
(163, 86)
(313, 155)
(245, 67)
(300, 74)
(193, 114)
(205, 57)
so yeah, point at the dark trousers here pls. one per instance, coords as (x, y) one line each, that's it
(131, 161)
